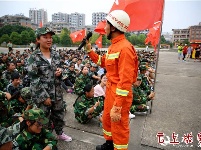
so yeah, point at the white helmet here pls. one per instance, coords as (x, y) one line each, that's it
(119, 19)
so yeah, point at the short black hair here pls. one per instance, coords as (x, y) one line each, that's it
(15, 75)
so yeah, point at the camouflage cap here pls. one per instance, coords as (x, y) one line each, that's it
(25, 93)
(142, 67)
(42, 31)
(36, 114)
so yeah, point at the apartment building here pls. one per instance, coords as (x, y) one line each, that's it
(97, 17)
(60, 17)
(18, 19)
(76, 20)
(195, 33)
(38, 16)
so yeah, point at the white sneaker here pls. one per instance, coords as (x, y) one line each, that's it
(131, 116)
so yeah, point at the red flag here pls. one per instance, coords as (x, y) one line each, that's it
(143, 13)
(41, 24)
(99, 42)
(100, 27)
(154, 34)
(78, 35)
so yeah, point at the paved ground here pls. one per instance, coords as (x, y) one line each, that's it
(176, 108)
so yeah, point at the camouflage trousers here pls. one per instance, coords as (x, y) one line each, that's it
(138, 108)
(55, 114)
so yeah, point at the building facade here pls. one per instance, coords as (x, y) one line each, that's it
(38, 16)
(76, 20)
(18, 19)
(195, 33)
(60, 17)
(179, 35)
(97, 17)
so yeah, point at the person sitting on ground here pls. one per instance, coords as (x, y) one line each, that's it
(140, 98)
(32, 134)
(14, 89)
(81, 80)
(87, 106)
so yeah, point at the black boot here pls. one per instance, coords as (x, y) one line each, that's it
(108, 145)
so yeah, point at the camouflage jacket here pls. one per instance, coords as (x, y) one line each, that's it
(139, 96)
(145, 84)
(44, 84)
(7, 75)
(82, 104)
(20, 69)
(3, 84)
(12, 90)
(27, 141)
(68, 74)
(80, 83)
(7, 134)
(5, 111)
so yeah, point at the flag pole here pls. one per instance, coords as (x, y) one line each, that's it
(157, 57)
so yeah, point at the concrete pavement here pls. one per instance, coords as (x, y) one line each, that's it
(176, 108)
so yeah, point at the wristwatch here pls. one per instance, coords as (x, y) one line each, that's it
(94, 107)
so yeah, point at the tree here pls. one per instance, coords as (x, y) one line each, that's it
(32, 36)
(65, 39)
(4, 38)
(25, 38)
(15, 38)
(56, 39)
(163, 40)
(8, 29)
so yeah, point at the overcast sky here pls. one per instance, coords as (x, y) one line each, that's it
(178, 14)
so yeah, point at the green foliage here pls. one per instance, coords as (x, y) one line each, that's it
(25, 38)
(15, 38)
(4, 38)
(32, 36)
(56, 39)
(163, 41)
(65, 39)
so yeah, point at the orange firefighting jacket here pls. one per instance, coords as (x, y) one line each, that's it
(121, 63)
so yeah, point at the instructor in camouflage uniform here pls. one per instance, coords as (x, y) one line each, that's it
(46, 76)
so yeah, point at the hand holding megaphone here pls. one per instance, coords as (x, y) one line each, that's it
(84, 40)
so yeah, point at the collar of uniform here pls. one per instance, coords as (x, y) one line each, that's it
(118, 38)
(28, 136)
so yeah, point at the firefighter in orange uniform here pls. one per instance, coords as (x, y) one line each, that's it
(121, 63)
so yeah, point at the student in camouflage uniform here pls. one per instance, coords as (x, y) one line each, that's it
(25, 95)
(14, 89)
(10, 69)
(69, 75)
(81, 80)
(93, 73)
(140, 98)
(46, 77)
(3, 61)
(32, 134)
(87, 106)
(145, 84)
(6, 136)
(19, 67)
(5, 109)
(3, 83)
